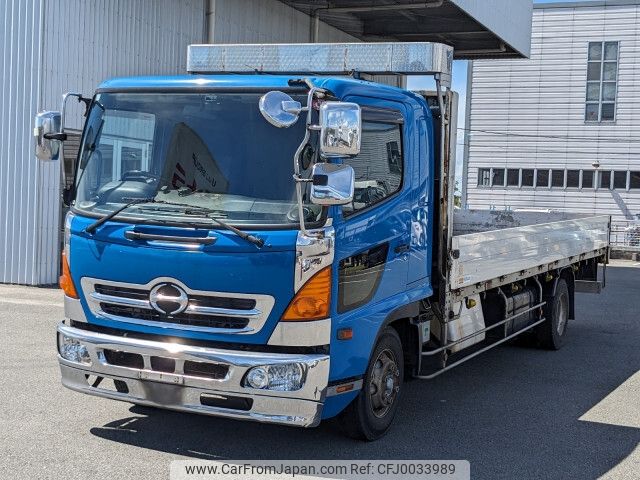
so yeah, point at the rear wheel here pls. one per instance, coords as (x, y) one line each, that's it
(370, 415)
(552, 333)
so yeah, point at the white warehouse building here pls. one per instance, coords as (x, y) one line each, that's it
(560, 131)
(49, 47)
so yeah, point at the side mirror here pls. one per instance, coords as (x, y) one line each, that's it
(340, 128)
(47, 135)
(332, 184)
(279, 109)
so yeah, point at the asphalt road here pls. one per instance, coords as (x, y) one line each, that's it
(514, 413)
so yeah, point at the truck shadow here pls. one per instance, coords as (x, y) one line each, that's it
(513, 413)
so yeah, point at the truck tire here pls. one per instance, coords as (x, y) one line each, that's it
(371, 413)
(552, 333)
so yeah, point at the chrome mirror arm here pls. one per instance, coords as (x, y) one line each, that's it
(296, 164)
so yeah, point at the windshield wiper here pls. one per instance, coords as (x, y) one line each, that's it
(91, 228)
(207, 212)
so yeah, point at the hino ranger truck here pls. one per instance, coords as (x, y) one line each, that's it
(272, 237)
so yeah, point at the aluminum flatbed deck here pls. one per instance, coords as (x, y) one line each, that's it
(487, 259)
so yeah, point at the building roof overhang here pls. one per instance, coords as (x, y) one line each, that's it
(487, 29)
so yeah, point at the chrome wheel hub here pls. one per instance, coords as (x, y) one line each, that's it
(384, 384)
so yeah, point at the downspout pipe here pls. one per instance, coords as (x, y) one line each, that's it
(315, 34)
(209, 21)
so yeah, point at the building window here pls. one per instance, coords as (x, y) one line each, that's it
(542, 178)
(527, 177)
(602, 82)
(378, 167)
(620, 180)
(604, 179)
(484, 177)
(513, 177)
(557, 178)
(573, 178)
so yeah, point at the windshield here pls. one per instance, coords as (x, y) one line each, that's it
(208, 150)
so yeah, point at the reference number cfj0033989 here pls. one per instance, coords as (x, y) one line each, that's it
(321, 469)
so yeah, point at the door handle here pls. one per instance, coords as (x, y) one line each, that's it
(168, 238)
(404, 248)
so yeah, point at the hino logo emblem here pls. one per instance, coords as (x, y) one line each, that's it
(168, 298)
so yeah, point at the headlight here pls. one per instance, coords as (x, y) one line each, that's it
(284, 377)
(72, 350)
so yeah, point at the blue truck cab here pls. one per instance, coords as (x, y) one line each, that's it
(256, 246)
(240, 291)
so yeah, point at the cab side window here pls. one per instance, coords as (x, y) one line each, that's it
(379, 165)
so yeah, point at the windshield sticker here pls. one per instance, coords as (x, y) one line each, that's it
(191, 164)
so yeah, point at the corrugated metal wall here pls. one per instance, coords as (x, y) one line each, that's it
(52, 46)
(87, 41)
(543, 98)
(264, 21)
(20, 41)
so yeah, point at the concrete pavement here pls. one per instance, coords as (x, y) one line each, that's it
(514, 413)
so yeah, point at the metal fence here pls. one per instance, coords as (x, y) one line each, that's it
(626, 234)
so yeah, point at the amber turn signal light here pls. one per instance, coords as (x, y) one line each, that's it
(345, 333)
(312, 300)
(66, 282)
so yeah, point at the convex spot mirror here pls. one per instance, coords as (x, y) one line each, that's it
(340, 129)
(332, 184)
(47, 124)
(279, 109)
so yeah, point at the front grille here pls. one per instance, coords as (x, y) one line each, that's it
(223, 302)
(187, 319)
(196, 300)
(151, 304)
(123, 292)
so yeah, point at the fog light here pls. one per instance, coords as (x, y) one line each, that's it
(258, 378)
(285, 377)
(72, 350)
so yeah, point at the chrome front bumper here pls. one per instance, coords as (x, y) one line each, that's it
(179, 391)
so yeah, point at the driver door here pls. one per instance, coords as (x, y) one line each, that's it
(373, 235)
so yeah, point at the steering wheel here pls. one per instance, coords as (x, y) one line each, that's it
(309, 214)
(139, 176)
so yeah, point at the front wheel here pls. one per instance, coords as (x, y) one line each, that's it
(370, 414)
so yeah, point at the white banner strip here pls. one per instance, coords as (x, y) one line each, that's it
(320, 469)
